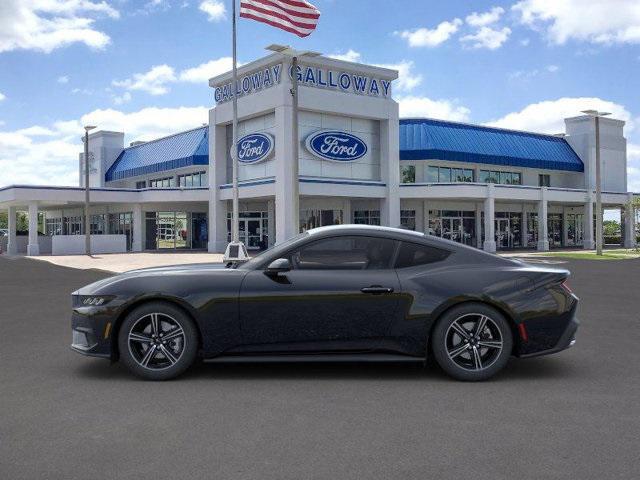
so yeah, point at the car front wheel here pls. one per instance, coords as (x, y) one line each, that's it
(472, 342)
(158, 341)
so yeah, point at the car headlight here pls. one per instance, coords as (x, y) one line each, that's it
(92, 300)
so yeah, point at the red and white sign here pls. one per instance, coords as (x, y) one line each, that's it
(295, 16)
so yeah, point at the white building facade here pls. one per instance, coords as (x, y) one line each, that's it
(358, 163)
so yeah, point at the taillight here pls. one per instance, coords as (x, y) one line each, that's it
(566, 287)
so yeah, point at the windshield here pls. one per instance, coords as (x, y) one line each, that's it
(271, 252)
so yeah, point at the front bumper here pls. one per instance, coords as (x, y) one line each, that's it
(92, 329)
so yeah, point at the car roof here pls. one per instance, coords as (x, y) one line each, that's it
(364, 229)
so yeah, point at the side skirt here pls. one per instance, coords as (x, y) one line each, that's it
(322, 358)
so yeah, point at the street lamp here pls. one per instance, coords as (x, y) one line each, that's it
(596, 115)
(87, 218)
(294, 55)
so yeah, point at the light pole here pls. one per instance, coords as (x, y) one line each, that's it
(295, 147)
(87, 218)
(596, 115)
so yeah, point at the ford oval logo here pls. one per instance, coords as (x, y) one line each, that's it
(336, 146)
(255, 147)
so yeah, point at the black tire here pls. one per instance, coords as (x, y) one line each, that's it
(479, 355)
(170, 356)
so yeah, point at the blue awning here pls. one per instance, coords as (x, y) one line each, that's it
(176, 151)
(427, 139)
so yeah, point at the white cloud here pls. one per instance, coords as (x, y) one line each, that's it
(552, 68)
(45, 25)
(487, 37)
(63, 79)
(349, 56)
(424, 37)
(594, 21)
(203, 72)
(214, 9)
(48, 155)
(486, 18)
(548, 116)
(2, 96)
(122, 99)
(407, 78)
(525, 42)
(154, 81)
(414, 106)
(529, 74)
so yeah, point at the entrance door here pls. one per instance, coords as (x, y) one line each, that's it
(504, 239)
(340, 294)
(252, 230)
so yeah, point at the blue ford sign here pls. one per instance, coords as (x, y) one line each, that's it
(255, 147)
(336, 146)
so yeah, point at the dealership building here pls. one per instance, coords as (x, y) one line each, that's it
(359, 162)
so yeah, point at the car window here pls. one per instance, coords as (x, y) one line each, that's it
(345, 253)
(414, 254)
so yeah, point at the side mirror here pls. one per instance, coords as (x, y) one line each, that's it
(279, 265)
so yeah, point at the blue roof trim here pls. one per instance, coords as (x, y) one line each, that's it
(184, 149)
(427, 139)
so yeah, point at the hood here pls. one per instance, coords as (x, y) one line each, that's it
(95, 287)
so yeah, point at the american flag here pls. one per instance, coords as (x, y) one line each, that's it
(295, 16)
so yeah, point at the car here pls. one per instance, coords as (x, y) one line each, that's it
(4, 232)
(338, 293)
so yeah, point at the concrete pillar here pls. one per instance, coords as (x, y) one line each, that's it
(271, 215)
(629, 223)
(285, 201)
(219, 151)
(425, 216)
(12, 246)
(478, 225)
(489, 221)
(543, 235)
(138, 228)
(588, 242)
(33, 247)
(390, 174)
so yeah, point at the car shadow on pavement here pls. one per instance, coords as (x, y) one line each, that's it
(516, 370)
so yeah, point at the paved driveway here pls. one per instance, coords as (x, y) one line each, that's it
(575, 415)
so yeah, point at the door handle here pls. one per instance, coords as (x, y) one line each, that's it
(376, 290)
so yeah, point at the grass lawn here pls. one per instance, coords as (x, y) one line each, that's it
(606, 255)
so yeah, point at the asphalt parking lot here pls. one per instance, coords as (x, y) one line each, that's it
(575, 415)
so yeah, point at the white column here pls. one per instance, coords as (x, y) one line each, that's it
(33, 248)
(588, 241)
(138, 228)
(389, 163)
(629, 224)
(12, 247)
(489, 221)
(478, 225)
(285, 217)
(425, 214)
(218, 150)
(543, 236)
(271, 215)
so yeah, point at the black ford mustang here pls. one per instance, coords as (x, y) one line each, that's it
(334, 293)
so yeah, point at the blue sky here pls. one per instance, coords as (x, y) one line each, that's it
(142, 66)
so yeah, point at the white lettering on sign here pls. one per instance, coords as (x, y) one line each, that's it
(253, 82)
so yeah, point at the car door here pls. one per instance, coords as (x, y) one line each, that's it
(340, 294)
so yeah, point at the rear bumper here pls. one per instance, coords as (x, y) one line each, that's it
(567, 340)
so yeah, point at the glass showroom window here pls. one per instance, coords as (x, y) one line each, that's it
(408, 219)
(167, 182)
(544, 180)
(408, 174)
(447, 174)
(53, 226)
(198, 179)
(319, 218)
(142, 184)
(98, 224)
(366, 217)
(504, 178)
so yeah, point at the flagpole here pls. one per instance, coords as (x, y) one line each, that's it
(235, 223)
(296, 147)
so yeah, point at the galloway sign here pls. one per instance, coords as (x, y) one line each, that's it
(336, 146)
(260, 80)
(255, 148)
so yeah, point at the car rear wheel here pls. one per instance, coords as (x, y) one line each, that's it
(472, 342)
(158, 341)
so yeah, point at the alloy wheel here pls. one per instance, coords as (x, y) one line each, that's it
(156, 341)
(473, 341)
